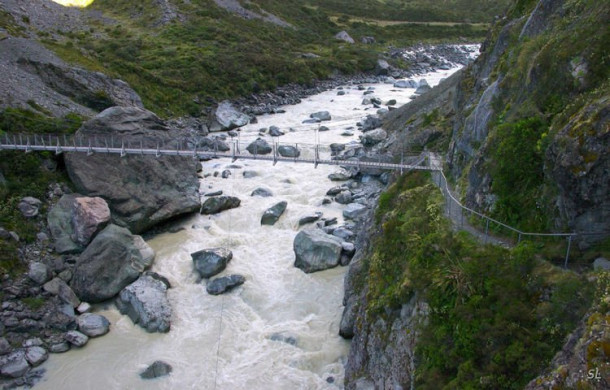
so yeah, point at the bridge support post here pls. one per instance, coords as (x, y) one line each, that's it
(565, 264)
(486, 231)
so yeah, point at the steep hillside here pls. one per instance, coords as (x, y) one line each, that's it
(181, 56)
(526, 134)
(531, 113)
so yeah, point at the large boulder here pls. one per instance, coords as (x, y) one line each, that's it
(141, 191)
(226, 283)
(321, 116)
(217, 204)
(114, 259)
(209, 262)
(371, 123)
(288, 151)
(259, 146)
(273, 214)
(14, 364)
(75, 220)
(39, 273)
(316, 250)
(145, 302)
(405, 84)
(373, 137)
(382, 68)
(354, 211)
(422, 87)
(93, 325)
(227, 117)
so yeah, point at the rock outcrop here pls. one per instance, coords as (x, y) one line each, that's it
(114, 259)
(141, 191)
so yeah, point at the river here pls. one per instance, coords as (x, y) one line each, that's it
(277, 331)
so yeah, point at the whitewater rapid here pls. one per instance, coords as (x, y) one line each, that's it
(277, 331)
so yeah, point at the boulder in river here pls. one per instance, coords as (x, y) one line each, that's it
(371, 123)
(275, 131)
(316, 250)
(405, 84)
(227, 117)
(156, 370)
(76, 338)
(259, 146)
(93, 325)
(321, 116)
(141, 191)
(273, 214)
(217, 204)
(422, 87)
(288, 151)
(212, 261)
(145, 302)
(310, 218)
(114, 259)
(226, 283)
(263, 192)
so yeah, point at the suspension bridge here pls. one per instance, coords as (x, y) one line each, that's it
(235, 149)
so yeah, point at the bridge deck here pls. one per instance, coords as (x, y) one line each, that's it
(61, 145)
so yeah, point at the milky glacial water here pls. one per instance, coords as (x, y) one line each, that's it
(225, 342)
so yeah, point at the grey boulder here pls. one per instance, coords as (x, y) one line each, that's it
(262, 192)
(288, 151)
(321, 116)
(275, 131)
(354, 211)
(422, 87)
(14, 364)
(76, 338)
(273, 214)
(310, 218)
(217, 204)
(373, 137)
(93, 325)
(316, 251)
(227, 117)
(36, 355)
(344, 197)
(29, 206)
(405, 84)
(259, 146)
(114, 259)
(145, 302)
(210, 262)
(39, 273)
(58, 287)
(221, 285)
(156, 370)
(344, 36)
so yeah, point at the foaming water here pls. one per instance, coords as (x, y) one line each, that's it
(277, 331)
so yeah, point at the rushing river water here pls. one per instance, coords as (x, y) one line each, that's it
(277, 331)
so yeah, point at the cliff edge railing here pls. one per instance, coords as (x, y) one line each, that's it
(455, 210)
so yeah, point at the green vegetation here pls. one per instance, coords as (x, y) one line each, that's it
(518, 155)
(419, 10)
(25, 175)
(179, 67)
(496, 316)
